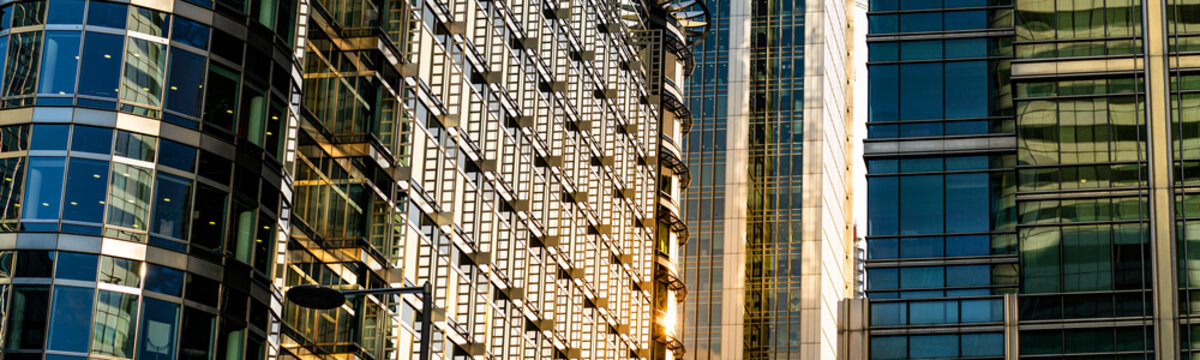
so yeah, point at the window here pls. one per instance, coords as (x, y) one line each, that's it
(160, 319)
(34, 263)
(101, 61)
(26, 322)
(145, 70)
(65, 12)
(43, 190)
(92, 139)
(135, 146)
(129, 198)
(883, 206)
(1040, 260)
(222, 94)
(70, 319)
(933, 312)
(164, 280)
(11, 175)
(20, 75)
(59, 63)
(87, 181)
(50, 137)
(1087, 264)
(185, 80)
(892, 313)
(172, 206)
(199, 327)
(922, 277)
(76, 266)
(149, 21)
(208, 223)
(119, 271)
(101, 13)
(883, 96)
(190, 33)
(921, 91)
(889, 347)
(967, 86)
(114, 326)
(178, 156)
(28, 13)
(932, 346)
(975, 345)
(921, 204)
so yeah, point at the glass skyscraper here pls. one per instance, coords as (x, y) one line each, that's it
(1030, 179)
(170, 168)
(768, 206)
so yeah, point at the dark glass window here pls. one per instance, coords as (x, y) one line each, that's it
(883, 206)
(967, 86)
(199, 327)
(985, 310)
(968, 275)
(220, 103)
(922, 277)
(87, 181)
(919, 22)
(50, 137)
(76, 266)
(921, 247)
(892, 313)
(208, 223)
(160, 320)
(71, 319)
(933, 312)
(882, 92)
(26, 322)
(882, 279)
(889, 347)
(92, 139)
(978, 345)
(115, 322)
(64, 12)
(20, 74)
(184, 81)
(932, 346)
(34, 263)
(970, 245)
(177, 156)
(164, 280)
(922, 206)
(172, 205)
(135, 146)
(921, 91)
(101, 62)
(102, 13)
(202, 290)
(43, 191)
(882, 249)
(967, 205)
(60, 62)
(28, 13)
(191, 33)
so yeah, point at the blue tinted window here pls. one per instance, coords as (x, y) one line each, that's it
(966, 3)
(920, 4)
(921, 164)
(889, 347)
(882, 206)
(922, 277)
(987, 310)
(967, 87)
(970, 275)
(172, 199)
(966, 20)
(60, 60)
(108, 14)
(882, 96)
(121, 309)
(933, 346)
(43, 190)
(87, 182)
(967, 163)
(969, 245)
(883, 24)
(884, 5)
(882, 131)
(102, 63)
(893, 313)
(967, 205)
(164, 280)
(3, 45)
(921, 247)
(921, 91)
(184, 82)
(92, 139)
(921, 205)
(71, 319)
(882, 249)
(888, 51)
(160, 320)
(882, 279)
(50, 137)
(76, 266)
(177, 155)
(885, 166)
(921, 129)
(64, 12)
(933, 312)
(921, 50)
(921, 22)
(191, 33)
(27, 331)
(974, 345)
(966, 48)
(966, 127)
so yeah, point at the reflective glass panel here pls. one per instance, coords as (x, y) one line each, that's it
(184, 82)
(87, 181)
(145, 71)
(114, 326)
(129, 197)
(120, 271)
(26, 323)
(177, 156)
(76, 266)
(24, 53)
(101, 62)
(149, 21)
(65, 12)
(43, 191)
(70, 319)
(102, 13)
(135, 146)
(172, 206)
(160, 320)
(50, 137)
(92, 139)
(164, 280)
(60, 62)
(191, 33)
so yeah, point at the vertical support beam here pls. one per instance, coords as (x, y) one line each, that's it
(852, 329)
(737, 183)
(1159, 157)
(1012, 344)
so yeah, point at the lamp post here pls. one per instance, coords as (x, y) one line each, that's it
(326, 298)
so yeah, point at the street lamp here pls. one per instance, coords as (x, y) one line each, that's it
(326, 298)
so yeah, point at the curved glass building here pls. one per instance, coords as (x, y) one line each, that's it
(144, 188)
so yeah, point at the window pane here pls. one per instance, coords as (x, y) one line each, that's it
(87, 181)
(20, 74)
(184, 82)
(191, 33)
(1039, 260)
(43, 191)
(178, 156)
(921, 247)
(164, 280)
(199, 326)
(1087, 264)
(70, 319)
(129, 198)
(65, 12)
(113, 331)
(922, 277)
(982, 345)
(12, 174)
(145, 66)
(220, 104)
(107, 14)
(50, 137)
(76, 266)
(149, 21)
(34, 263)
(882, 249)
(172, 205)
(987, 310)
(159, 322)
(883, 208)
(882, 279)
(28, 13)
(60, 62)
(967, 86)
(119, 271)
(882, 92)
(208, 223)
(101, 62)
(933, 312)
(135, 146)
(921, 91)
(921, 204)
(968, 275)
(889, 347)
(894, 313)
(933, 346)
(26, 320)
(92, 139)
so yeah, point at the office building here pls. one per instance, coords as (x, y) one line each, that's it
(172, 167)
(1030, 180)
(769, 204)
